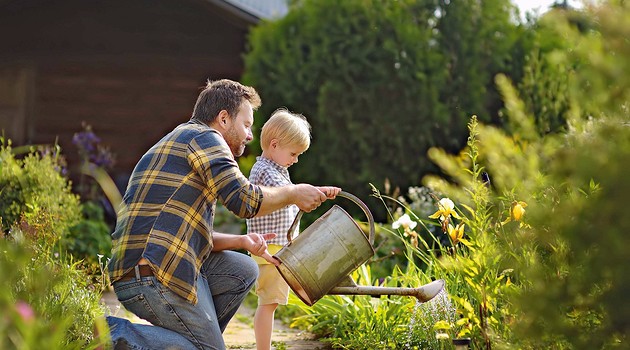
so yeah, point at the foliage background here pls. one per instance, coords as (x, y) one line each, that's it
(383, 81)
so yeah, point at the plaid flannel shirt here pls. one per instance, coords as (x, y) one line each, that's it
(168, 208)
(266, 172)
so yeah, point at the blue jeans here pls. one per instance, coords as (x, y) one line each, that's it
(226, 278)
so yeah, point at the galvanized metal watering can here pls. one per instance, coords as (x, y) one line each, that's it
(320, 259)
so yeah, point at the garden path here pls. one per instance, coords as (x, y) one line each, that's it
(240, 331)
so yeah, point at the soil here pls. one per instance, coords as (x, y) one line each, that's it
(240, 331)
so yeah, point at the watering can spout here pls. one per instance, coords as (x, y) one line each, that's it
(423, 293)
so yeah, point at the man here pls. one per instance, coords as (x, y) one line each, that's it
(168, 266)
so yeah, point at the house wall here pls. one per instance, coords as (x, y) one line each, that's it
(132, 69)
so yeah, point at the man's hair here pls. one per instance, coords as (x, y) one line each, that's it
(288, 128)
(221, 95)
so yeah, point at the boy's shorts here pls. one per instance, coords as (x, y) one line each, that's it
(271, 288)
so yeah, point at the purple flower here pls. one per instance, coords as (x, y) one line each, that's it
(86, 140)
(90, 149)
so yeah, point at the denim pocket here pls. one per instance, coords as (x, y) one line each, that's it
(138, 305)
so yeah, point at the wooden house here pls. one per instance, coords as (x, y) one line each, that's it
(132, 69)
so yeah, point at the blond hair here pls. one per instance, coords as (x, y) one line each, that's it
(290, 129)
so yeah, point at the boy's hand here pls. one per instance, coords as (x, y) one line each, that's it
(330, 191)
(257, 245)
(270, 258)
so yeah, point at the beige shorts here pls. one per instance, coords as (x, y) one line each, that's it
(271, 288)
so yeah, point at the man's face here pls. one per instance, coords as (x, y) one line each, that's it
(239, 131)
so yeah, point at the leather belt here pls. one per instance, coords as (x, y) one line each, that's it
(144, 271)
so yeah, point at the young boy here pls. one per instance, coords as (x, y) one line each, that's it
(284, 137)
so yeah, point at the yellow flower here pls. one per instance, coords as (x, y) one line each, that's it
(446, 208)
(517, 210)
(456, 233)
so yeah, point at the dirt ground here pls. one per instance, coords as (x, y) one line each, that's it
(240, 332)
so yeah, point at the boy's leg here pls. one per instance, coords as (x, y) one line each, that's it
(230, 276)
(263, 325)
(271, 290)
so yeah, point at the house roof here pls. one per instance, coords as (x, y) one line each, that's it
(267, 9)
(250, 10)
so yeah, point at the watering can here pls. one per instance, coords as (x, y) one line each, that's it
(320, 259)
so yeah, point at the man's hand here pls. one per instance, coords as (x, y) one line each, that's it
(257, 245)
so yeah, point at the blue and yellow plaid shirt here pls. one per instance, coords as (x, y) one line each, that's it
(168, 208)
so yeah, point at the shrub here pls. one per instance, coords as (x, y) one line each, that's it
(34, 192)
(46, 304)
(90, 238)
(52, 303)
(579, 282)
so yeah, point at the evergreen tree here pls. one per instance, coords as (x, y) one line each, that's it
(381, 81)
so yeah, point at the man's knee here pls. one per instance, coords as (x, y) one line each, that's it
(250, 268)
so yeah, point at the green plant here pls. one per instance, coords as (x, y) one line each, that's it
(278, 345)
(48, 304)
(35, 193)
(391, 249)
(578, 278)
(480, 262)
(376, 323)
(52, 301)
(89, 240)
(466, 250)
(568, 269)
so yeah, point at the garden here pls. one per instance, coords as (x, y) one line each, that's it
(493, 154)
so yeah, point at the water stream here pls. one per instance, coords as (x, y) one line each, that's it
(424, 317)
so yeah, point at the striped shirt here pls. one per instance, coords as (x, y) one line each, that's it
(168, 208)
(266, 172)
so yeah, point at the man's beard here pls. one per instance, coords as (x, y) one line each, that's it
(236, 145)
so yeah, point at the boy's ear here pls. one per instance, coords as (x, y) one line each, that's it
(273, 143)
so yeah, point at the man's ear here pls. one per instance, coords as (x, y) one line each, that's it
(223, 118)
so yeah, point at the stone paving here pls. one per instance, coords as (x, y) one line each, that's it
(240, 334)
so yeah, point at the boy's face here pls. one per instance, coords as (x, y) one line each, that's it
(284, 155)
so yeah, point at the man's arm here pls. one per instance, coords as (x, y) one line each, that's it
(306, 197)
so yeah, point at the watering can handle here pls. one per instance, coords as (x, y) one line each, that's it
(351, 197)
